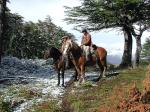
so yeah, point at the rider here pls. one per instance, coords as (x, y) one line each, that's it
(86, 44)
(64, 39)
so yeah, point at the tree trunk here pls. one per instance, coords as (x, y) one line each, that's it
(1, 10)
(138, 50)
(127, 55)
(2, 25)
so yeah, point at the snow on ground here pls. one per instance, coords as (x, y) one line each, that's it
(12, 66)
(36, 76)
(26, 82)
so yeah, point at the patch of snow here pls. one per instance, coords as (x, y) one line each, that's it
(35, 74)
(12, 66)
(23, 106)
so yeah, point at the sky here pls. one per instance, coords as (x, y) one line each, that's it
(34, 10)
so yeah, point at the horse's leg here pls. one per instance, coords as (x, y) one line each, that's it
(101, 69)
(82, 68)
(78, 75)
(77, 68)
(104, 64)
(75, 75)
(58, 78)
(62, 74)
(104, 71)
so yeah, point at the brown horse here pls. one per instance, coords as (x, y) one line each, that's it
(58, 62)
(79, 60)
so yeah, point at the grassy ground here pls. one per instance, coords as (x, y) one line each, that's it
(88, 98)
(47, 106)
(85, 98)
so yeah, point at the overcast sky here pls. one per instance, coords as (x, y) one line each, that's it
(34, 10)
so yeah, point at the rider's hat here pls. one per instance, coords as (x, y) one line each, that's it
(84, 30)
(64, 37)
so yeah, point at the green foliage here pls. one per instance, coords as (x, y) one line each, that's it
(100, 14)
(13, 28)
(145, 54)
(96, 15)
(28, 39)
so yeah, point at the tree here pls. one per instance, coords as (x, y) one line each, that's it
(101, 14)
(138, 30)
(13, 33)
(2, 24)
(28, 39)
(145, 54)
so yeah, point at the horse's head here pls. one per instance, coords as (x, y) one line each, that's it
(52, 52)
(66, 47)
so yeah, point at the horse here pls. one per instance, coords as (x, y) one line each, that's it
(58, 62)
(79, 60)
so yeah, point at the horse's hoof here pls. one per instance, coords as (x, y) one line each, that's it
(97, 79)
(104, 76)
(76, 84)
(75, 79)
(63, 85)
(83, 81)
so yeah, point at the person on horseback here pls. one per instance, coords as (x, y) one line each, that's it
(86, 44)
(63, 40)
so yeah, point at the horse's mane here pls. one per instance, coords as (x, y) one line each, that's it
(54, 53)
(76, 50)
(75, 45)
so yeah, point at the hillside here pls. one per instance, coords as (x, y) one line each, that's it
(105, 95)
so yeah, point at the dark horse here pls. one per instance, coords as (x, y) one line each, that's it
(58, 62)
(79, 60)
